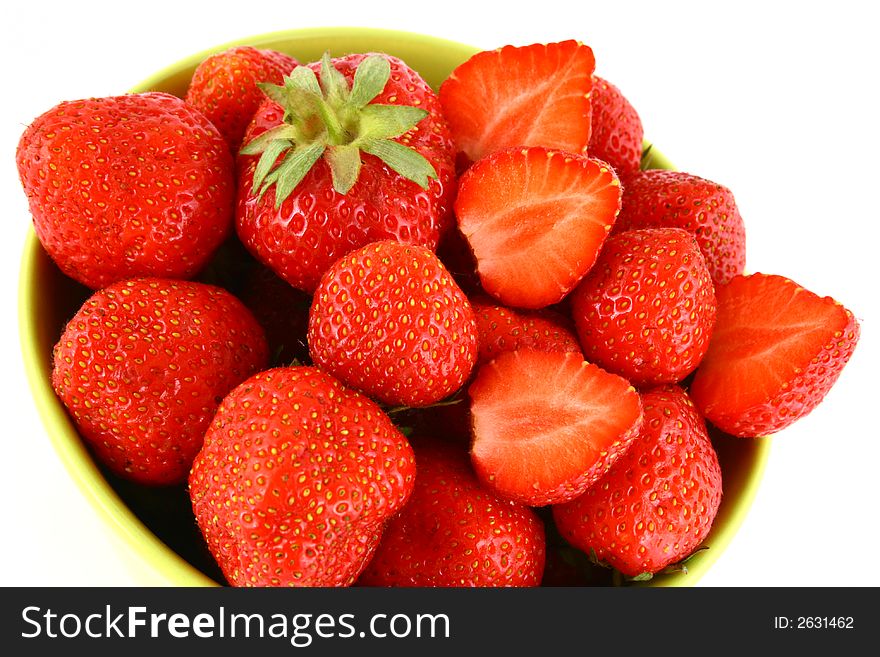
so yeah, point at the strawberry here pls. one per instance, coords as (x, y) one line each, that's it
(674, 199)
(127, 186)
(142, 366)
(617, 132)
(776, 351)
(224, 87)
(537, 95)
(296, 480)
(548, 425)
(453, 532)
(389, 320)
(656, 504)
(535, 220)
(344, 165)
(646, 309)
(504, 329)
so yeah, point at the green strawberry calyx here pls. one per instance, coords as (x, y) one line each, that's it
(330, 119)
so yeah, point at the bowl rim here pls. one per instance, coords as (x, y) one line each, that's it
(160, 559)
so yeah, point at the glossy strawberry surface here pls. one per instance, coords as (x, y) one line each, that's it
(389, 320)
(656, 504)
(296, 480)
(504, 329)
(455, 532)
(647, 308)
(674, 199)
(127, 186)
(224, 87)
(617, 131)
(142, 366)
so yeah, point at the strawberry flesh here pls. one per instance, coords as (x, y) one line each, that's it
(547, 425)
(776, 351)
(535, 220)
(537, 95)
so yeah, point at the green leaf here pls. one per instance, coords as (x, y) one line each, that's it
(370, 78)
(641, 577)
(303, 93)
(267, 161)
(304, 78)
(260, 143)
(385, 121)
(292, 170)
(274, 91)
(334, 84)
(402, 159)
(345, 165)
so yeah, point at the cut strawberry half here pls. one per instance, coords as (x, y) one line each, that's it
(536, 219)
(536, 95)
(775, 352)
(548, 425)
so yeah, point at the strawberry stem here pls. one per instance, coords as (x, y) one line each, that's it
(327, 118)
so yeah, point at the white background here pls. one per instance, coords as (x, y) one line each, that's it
(778, 101)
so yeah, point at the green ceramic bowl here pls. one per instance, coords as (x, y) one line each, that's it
(155, 527)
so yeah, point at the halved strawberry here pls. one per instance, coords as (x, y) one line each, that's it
(536, 219)
(536, 95)
(774, 354)
(548, 425)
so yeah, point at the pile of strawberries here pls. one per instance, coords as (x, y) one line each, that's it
(388, 336)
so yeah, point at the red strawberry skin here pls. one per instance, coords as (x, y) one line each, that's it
(142, 367)
(224, 87)
(296, 480)
(503, 329)
(656, 504)
(617, 131)
(535, 220)
(673, 199)
(547, 425)
(537, 95)
(317, 225)
(453, 532)
(647, 308)
(776, 351)
(130, 186)
(389, 320)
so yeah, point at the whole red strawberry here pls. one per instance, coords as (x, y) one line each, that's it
(455, 533)
(647, 308)
(656, 504)
(344, 164)
(143, 365)
(224, 87)
(388, 319)
(673, 199)
(504, 329)
(127, 186)
(776, 351)
(617, 131)
(296, 480)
